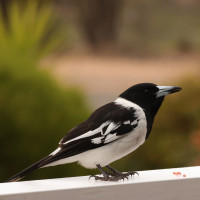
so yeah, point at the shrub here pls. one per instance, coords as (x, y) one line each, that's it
(35, 114)
(29, 33)
(35, 111)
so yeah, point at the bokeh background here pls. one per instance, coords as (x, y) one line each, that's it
(61, 59)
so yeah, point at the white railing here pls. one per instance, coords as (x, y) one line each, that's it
(150, 185)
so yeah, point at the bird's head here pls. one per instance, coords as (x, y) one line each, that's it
(148, 95)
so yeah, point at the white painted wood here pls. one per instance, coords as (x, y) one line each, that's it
(151, 185)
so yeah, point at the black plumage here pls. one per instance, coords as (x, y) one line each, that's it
(109, 112)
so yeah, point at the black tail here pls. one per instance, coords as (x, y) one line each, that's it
(29, 169)
(70, 150)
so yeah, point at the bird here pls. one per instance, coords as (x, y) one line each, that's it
(110, 133)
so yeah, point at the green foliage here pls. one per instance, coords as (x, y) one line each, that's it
(35, 113)
(170, 143)
(30, 32)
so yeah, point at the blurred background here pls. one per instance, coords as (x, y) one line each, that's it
(60, 60)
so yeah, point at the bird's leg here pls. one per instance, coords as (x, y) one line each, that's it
(104, 173)
(114, 171)
(106, 176)
(120, 174)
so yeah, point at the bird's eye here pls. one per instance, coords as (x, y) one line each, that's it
(149, 92)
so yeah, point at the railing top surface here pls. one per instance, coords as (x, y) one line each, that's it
(82, 182)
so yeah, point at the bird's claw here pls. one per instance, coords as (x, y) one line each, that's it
(114, 177)
(98, 178)
(108, 178)
(131, 173)
(125, 175)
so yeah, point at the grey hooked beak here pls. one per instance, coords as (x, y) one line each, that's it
(165, 90)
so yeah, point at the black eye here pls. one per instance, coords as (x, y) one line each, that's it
(149, 92)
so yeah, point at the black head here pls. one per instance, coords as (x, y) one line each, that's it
(148, 95)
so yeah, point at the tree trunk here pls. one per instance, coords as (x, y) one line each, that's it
(99, 19)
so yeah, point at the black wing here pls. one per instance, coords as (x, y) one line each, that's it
(105, 125)
(109, 112)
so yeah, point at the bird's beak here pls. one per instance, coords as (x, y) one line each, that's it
(165, 90)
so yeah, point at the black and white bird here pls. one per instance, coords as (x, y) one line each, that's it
(110, 133)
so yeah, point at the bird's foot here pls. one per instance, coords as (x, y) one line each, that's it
(123, 175)
(130, 173)
(114, 172)
(114, 175)
(109, 178)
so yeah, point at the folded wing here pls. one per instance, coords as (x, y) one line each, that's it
(105, 125)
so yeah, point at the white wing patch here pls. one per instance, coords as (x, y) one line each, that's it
(89, 133)
(111, 138)
(97, 140)
(108, 137)
(111, 126)
(134, 122)
(127, 122)
(105, 136)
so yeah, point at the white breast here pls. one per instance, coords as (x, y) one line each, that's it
(120, 148)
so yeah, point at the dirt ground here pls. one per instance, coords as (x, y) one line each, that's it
(104, 78)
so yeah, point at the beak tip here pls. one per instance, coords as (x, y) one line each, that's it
(177, 89)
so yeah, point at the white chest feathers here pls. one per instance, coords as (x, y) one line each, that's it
(113, 151)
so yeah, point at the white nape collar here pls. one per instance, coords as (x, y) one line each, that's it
(126, 103)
